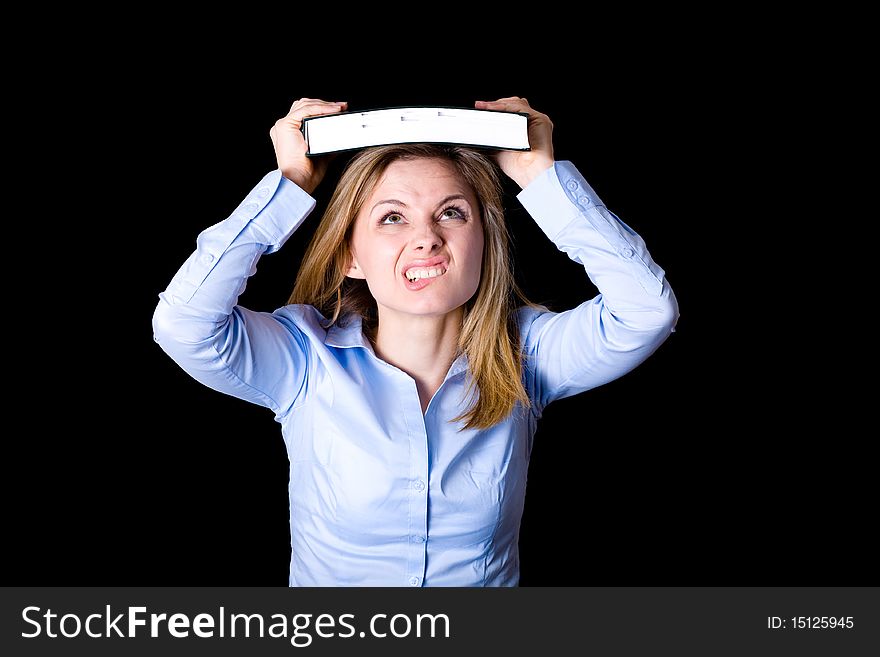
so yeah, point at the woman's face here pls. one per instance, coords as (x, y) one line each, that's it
(422, 217)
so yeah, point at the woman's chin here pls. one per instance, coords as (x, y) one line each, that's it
(424, 307)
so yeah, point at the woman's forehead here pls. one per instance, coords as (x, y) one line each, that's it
(421, 179)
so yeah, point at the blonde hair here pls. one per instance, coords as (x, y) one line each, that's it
(494, 356)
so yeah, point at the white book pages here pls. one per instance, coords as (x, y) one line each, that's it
(338, 132)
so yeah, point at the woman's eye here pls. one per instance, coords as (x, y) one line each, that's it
(392, 216)
(452, 213)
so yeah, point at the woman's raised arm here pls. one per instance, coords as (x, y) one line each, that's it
(257, 356)
(607, 336)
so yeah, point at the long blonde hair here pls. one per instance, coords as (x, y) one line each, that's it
(494, 356)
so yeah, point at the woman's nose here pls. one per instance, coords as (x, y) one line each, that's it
(428, 237)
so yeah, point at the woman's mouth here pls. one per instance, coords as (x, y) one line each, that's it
(418, 278)
(417, 273)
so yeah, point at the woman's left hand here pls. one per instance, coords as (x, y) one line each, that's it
(524, 166)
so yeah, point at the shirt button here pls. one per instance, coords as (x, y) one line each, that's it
(418, 539)
(584, 200)
(251, 207)
(263, 192)
(207, 258)
(414, 581)
(572, 185)
(419, 485)
(627, 253)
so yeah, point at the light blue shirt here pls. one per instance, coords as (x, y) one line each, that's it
(380, 494)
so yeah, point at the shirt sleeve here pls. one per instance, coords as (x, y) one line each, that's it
(634, 312)
(260, 357)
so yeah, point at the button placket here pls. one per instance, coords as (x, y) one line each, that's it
(417, 431)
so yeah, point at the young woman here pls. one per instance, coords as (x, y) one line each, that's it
(408, 372)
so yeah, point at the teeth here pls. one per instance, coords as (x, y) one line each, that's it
(415, 274)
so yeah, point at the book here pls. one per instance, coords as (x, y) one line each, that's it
(403, 125)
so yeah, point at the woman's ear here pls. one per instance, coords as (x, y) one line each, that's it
(354, 271)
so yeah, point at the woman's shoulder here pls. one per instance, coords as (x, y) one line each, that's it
(527, 314)
(304, 317)
(530, 320)
(306, 320)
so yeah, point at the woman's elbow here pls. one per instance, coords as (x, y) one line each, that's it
(166, 323)
(654, 323)
(179, 333)
(668, 311)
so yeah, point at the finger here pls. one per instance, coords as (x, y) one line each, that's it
(303, 103)
(319, 108)
(507, 98)
(507, 103)
(299, 102)
(511, 104)
(312, 106)
(310, 111)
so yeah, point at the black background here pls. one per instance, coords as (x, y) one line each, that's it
(700, 467)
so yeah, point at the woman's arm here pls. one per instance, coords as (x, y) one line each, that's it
(636, 310)
(260, 357)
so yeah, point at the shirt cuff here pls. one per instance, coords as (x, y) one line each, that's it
(268, 215)
(557, 196)
(275, 208)
(572, 215)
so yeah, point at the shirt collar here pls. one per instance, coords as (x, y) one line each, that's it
(352, 335)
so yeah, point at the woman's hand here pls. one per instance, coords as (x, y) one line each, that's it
(290, 145)
(524, 166)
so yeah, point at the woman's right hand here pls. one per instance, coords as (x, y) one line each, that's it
(290, 144)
